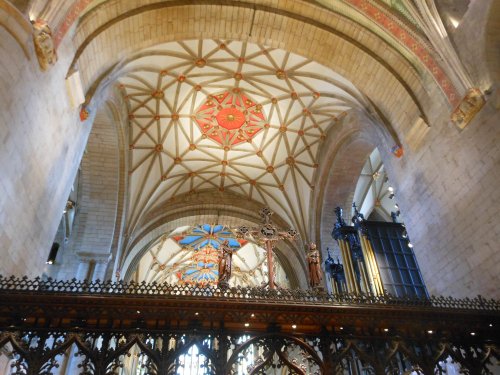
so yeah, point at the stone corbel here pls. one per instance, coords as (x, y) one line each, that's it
(468, 107)
(44, 44)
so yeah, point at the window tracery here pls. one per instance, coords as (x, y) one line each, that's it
(189, 256)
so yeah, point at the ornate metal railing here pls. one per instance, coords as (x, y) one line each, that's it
(14, 285)
(79, 327)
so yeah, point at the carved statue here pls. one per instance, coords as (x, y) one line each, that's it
(315, 275)
(225, 264)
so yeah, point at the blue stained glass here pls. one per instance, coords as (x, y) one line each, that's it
(205, 265)
(189, 239)
(218, 228)
(205, 240)
(202, 244)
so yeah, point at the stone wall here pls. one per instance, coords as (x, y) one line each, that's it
(41, 144)
(448, 188)
(97, 204)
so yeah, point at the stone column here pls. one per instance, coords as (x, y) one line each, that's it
(100, 270)
(83, 269)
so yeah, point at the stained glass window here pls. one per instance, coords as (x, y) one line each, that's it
(189, 255)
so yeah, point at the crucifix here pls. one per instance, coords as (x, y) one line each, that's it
(267, 234)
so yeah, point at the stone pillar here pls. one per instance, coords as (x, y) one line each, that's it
(100, 270)
(83, 269)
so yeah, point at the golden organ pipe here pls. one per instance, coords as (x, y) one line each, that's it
(364, 279)
(370, 254)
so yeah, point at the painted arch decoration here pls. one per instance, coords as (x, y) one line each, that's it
(189, 255)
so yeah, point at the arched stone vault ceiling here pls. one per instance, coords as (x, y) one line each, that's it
(398, 86)
(391, 75)
(232, 116)
(392, 21)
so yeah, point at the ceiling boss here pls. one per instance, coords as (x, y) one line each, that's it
(230, 117)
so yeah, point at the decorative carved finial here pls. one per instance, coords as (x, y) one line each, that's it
(329, 261)
(338, 212)
(358, 218)
(266, 213)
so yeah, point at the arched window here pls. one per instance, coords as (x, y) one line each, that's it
(189, 255)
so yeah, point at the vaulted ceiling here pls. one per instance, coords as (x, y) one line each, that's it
(230, 116)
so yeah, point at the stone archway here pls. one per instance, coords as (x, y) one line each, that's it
(100, 205)
(394, 87)
(348, 148)
(227, 209)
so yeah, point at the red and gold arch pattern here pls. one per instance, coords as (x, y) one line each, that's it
(230, 117)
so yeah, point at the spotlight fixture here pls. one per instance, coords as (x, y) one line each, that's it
(430, 331)
(473, 333)
(410, 245)
(391, 189)
(294, 326)
(386, 329)
(247, 324)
